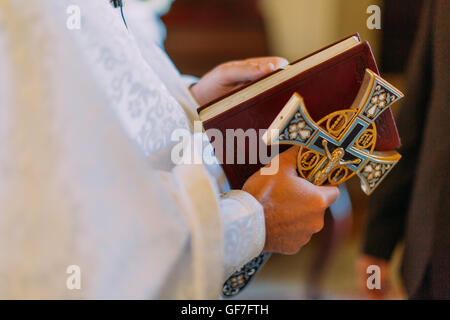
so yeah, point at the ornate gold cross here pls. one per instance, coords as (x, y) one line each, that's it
(341, 144)
(332, 150)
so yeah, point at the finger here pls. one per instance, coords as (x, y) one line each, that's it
(241, 72)
(329, 193)
(278, 62)
(238, 72)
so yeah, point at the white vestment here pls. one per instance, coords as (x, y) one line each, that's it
(86, 178)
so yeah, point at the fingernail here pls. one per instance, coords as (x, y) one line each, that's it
(284, 63)
(271, 66)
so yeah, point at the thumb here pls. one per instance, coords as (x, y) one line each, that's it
(291, 154)
(329, 193)
(278, 62)
(288, 160)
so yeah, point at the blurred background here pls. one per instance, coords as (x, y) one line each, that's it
(201, 34)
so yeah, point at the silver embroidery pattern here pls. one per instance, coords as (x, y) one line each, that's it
(240, 279)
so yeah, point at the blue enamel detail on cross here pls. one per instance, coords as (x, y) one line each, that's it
(373, 98)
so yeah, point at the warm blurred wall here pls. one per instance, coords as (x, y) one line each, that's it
(204, 33)
(299, 27)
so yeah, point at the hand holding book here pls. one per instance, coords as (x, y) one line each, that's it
(232, 75)
(328, 80)
(293, 207)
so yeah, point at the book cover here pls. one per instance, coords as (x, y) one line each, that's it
(327, 87)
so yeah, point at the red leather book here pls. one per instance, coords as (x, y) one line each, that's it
(326, 83)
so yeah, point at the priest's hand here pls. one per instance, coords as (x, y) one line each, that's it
(232, 75)
(293, 207)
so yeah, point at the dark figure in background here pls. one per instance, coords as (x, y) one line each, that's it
(413, 203)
